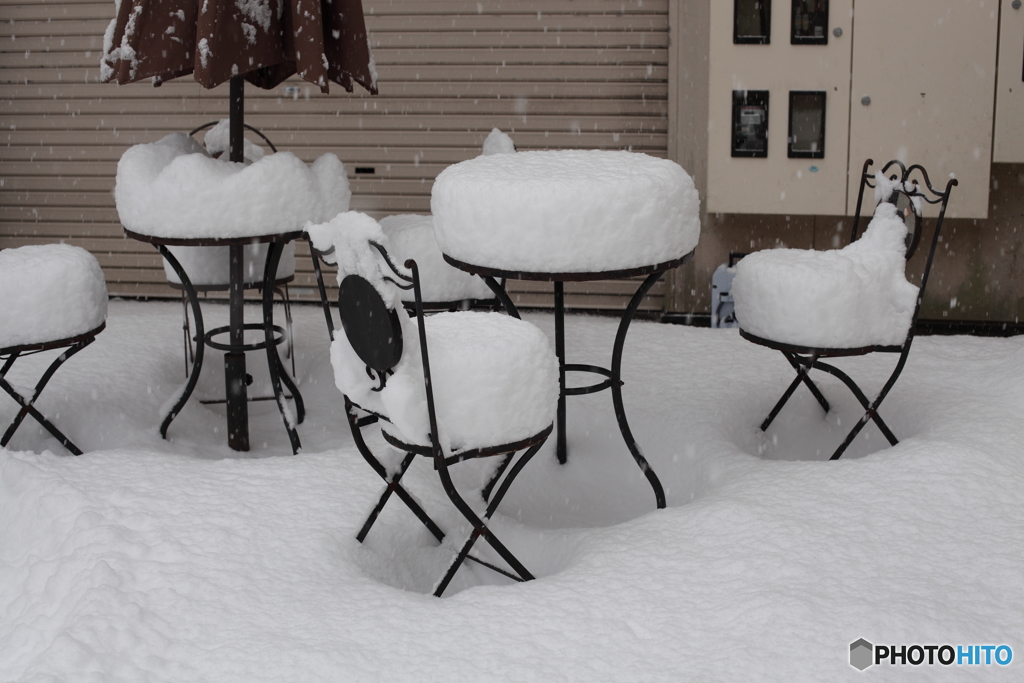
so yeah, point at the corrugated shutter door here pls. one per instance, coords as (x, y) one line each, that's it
(551, 73)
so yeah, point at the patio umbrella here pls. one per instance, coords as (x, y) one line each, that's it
(260, 41)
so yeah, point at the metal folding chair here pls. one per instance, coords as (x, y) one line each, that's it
(910, 186)
(75, 277)
(374, 334)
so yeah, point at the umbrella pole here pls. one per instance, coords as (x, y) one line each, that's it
(235, 377)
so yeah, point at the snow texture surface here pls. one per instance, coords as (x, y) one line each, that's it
(494, 378)
(173, 189)
(180, 560)
(842, 298)
(50, 292)
(565, 211)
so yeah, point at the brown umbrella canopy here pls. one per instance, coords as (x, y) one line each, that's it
(266, 41)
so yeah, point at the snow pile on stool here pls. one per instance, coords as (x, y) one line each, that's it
(843, 298)
(565, 211)
(51, 292)
(173, 188)
(480, 363)
(412, 237)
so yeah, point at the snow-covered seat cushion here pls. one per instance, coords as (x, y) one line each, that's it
(208, 266)
(565, 211)
(51, 292)
(412, 237)
(853, 297)
(494, 378)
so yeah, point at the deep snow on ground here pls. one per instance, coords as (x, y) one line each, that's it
(181, 560)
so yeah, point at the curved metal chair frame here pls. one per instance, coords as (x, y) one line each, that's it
(359, 417)
(12, 353)
(803, 359)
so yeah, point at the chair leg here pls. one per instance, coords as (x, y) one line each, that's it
(393, 481)
(480, 528)
(28, 404)
(801, 365)
(485, 493)
(392, 485)
(870, 407)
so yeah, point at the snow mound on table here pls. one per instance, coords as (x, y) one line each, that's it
(495, 378)
(498, 143)
(565, 211)
(173, 189)
(842, 298)
(51, 292)
(412, 237)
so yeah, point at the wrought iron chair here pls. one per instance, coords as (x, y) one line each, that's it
(207, 267)
(477, 384)
(56, 298)
(811, 285)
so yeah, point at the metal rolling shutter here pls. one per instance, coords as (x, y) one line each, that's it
(551, 73)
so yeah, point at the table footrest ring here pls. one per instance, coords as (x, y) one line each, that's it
(255, 346)
(593, 388)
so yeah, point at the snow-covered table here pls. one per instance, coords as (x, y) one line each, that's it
(570, 216)
(172, 193)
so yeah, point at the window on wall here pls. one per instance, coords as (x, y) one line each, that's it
(809, 25)
(752, 21)
(750, 123)
(806, 124)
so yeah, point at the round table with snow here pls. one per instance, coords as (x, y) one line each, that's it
(570, 216)
(235, 376)
(173, 193)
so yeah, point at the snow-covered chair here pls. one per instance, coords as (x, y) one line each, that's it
(489, 386)
(207, 267)
(54, 298)
(852, 301)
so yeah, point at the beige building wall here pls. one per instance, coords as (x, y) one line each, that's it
(978, 274)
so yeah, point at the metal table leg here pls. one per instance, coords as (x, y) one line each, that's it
(197, 362)
(235, 379)
(561, 449)
(277, 373)
(616, 387)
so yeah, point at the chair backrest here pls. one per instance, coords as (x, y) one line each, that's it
(908, 187)
(372, 326)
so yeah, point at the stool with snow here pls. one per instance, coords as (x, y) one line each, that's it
(853, 301)
(488, 387)
(54, 298)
